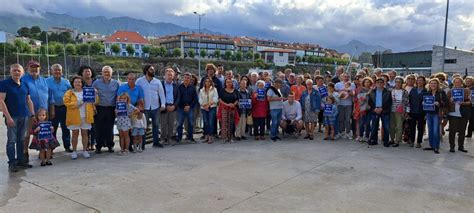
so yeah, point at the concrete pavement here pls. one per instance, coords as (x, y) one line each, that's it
(285, 176)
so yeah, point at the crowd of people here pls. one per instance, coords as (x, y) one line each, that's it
(231, 107)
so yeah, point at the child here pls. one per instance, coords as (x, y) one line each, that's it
(330, 117)
(124, 123)
(139, 126)
(44, 146)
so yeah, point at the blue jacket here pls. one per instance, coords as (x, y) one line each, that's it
(315, 99)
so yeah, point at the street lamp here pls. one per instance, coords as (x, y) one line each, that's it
(199, 43)
(445, 32)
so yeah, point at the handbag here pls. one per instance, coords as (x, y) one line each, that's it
(249, 120)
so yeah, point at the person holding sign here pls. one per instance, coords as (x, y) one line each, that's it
(459, 113)
(43, 139)
(433, 118)
(123, 112)
(208, 98)
(79, 115)
(330, 112)
(323, 91)
(291, 117)
(311, 105)
(416, 113)
(259, 110)
(245, 104)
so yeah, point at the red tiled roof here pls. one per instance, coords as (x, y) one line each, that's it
(278, 51)
(126, 37)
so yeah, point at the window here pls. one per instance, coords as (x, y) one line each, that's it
(124, 46)
(187, 44)
(137, 54)
(230, 47)
(124, 53)
(211, 46)
(202, 45)
(137, 46)
(450, 61)
(281, 54)
(107, 45)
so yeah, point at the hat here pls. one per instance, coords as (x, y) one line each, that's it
(328, 72)
(33, 63)
(278, 81)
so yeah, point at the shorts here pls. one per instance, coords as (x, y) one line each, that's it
(138, 131)
(84, 125)
(123, 128)
(329, 121)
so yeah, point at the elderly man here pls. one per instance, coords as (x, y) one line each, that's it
(41, 97)
(59, 85)
(380, 102)
(291, 116)
(253, 82)
(339, 71)
(391, 81)
(135, 92)
(168, 117)
(154, 102)
(230, 75)
(275, 98)
(16, 105)
(104, 119)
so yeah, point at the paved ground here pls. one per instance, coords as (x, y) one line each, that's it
(288, 176)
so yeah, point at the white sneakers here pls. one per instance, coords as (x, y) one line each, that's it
(74, 155)
(85, 154)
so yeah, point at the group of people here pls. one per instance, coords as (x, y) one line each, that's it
(232, 108)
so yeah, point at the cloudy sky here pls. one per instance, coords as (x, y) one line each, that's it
(395, 24)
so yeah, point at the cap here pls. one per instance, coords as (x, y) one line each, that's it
(33, 63)
(328, 72)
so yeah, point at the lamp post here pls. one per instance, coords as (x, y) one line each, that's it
(199, 43)
(445, 32)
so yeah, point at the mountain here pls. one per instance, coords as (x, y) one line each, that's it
(356, 48)
(98, 24)
(422, 48)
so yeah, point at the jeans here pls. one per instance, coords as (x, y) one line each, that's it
(104, 126)
(345, 116)
(189, 116)
(417, 123)
(155, 125)
(276, 118)
(433, 121)
(15, 136)
(209, 118)
(60, 118)
(375, 128)
(364, 124)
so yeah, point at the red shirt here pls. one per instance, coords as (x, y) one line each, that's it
(298, 90)
(259, 108)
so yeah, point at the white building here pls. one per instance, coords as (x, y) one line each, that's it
(279, 57)
(123, 39)
(456, 61)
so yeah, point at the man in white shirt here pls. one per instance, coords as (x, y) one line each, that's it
(155, 101)
(292, 115)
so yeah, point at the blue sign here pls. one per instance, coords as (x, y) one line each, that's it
(323, 91)
(88, 94)
(245, 103)
(45, 131)
(260, 95)
(268, 84)
(122, 109)
(458, 95)
(328, 110)
(428, 103)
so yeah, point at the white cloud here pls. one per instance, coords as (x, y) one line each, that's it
(402, 24)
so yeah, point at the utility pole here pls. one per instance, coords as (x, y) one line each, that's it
(199, 43)
(47, 53)
(445, 33)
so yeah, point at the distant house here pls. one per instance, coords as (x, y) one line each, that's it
(124, 38)
(279, 57)
(346, 56)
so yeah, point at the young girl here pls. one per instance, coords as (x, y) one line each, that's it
(124, 123)
(139, 126)
(44, 146)
(330, 117)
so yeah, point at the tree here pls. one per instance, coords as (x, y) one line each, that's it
(96, 48)
(70, 49)
(82, 49)
(24, 32)
(162, 51)
(191, 53)
(9, 49)
(228, 55)
(177, 52)
(203, 53)
(35, 32)
(146, 49)
(115, 48)
(260, 63)
(217, 54)
(21, 46)
(256, 55)
(249, 55)
(130, 50)
(298, 59)
(365, 57)
(239, 55)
